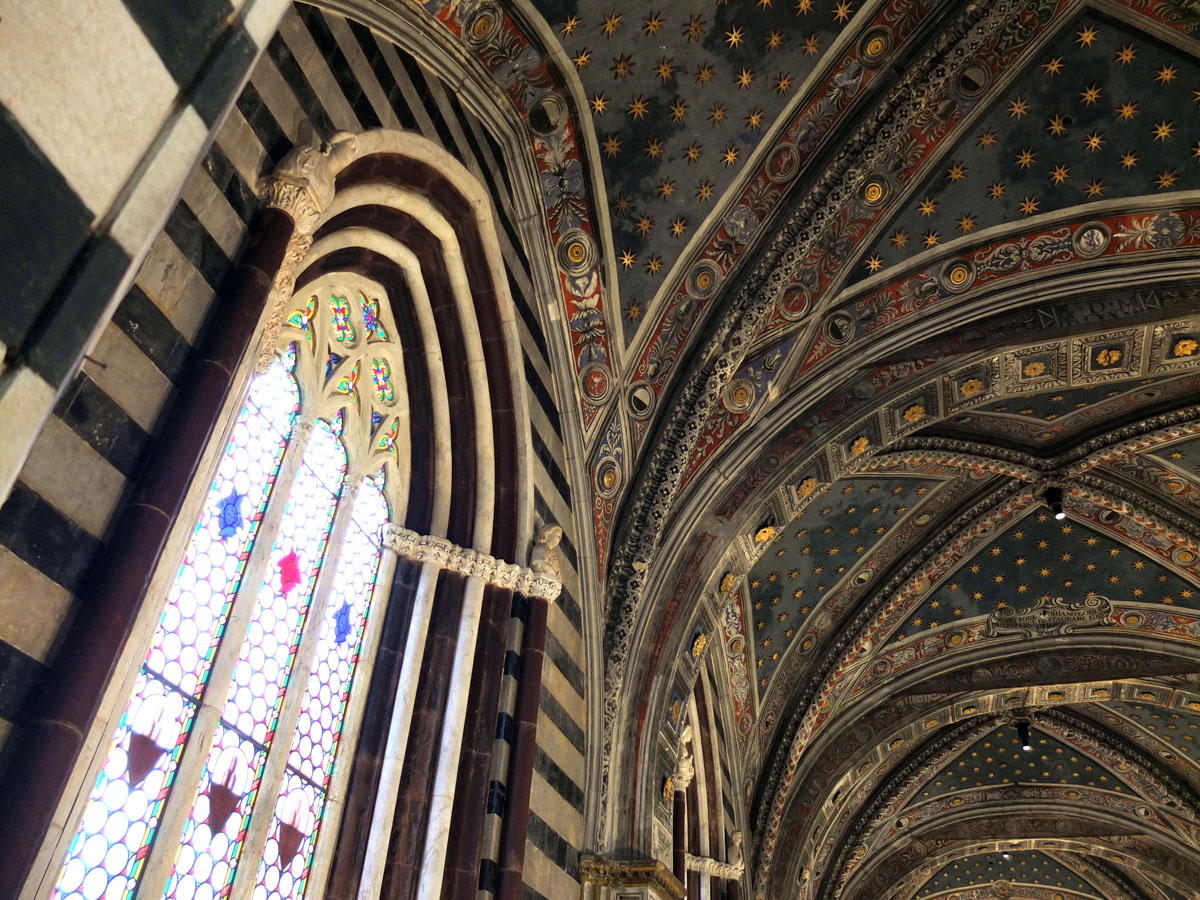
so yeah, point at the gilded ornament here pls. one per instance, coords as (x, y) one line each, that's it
(1109, 356)
(698, 645)
(807, 486)
(727, 582)
(958, 275)
(1034, 369)
(668, 789)
(860, 445)
(1185, 347)
(971, 387)
(764, 534)
(914, 413)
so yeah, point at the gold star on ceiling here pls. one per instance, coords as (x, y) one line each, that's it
(734, 37)
(628, 258)
(665, 70)
(611, 23)
(803, 7)
(1018, 108)
(1163, 130)
(1126, 55)
(622, 67)
(666, 188)
(633, 311)
(927, 206)
(1057, 126)
(1196, 150)
(754, 120)
(1053, 67)
(654, 148)
(678, 226)
(599, 104)
(1029, 206)
(1093, 142)
(774, 41)
(1060, 174)
(782, 83)
(1087, 37)
(1090, 95)
(704, 190)
(704, 74)
(966, 223)
(582, 58)
(900, 239)
(1165, 180)
(956, 172)
(653, 264)
(644, 225)
(716, 115)
(745, 78)
(1166, 74)
(692, 152)
(874, 264)
(931, 238)
(842, 12)
(729, 155)
(694, 30)
(988, 139)
(623, 204)
(1025, 158)
(612, 146)
(653, 24)
(1127, 110)
(678, 110)
(569, 26)
(638, 107)
(812, 44)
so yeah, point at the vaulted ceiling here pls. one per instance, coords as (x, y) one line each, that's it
(846, 288)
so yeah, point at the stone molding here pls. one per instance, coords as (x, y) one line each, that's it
(446, 555)
(705, 865)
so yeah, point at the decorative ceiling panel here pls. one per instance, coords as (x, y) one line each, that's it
(1021, 867)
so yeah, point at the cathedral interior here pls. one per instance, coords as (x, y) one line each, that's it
(551, 449)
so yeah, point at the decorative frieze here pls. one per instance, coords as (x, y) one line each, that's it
(642, 879)
(446, 555)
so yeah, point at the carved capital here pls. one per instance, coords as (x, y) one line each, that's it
(647, 879)
(302, 185)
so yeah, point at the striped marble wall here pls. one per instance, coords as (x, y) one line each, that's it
(320, 73)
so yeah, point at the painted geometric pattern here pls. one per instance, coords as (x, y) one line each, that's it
(997, 759)
(680, 95)
(1040, 557)
(1103, 113)
(816, 552)
(1021, 867)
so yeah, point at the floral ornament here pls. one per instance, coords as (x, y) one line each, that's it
(563, 185)
(971, 387)
(341, 624)
(1186, 347)
(382, 373)
(349, 384)
(229, 514)
(302, 319)
(587, 324)
(1034, 369)
(914, 413)
(289, 573)
(807, 486)
(342, 329)
(860, 445)
(370, 311)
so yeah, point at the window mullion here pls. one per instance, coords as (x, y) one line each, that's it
(208, 714)
(259, 826)
(335, 798)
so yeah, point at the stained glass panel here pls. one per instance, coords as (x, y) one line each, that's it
(370, 311)
(288, 855)
(106, 856)
(343, 328)
(265, 659)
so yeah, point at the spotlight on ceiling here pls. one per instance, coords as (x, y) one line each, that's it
(1006, 855)
(1023, 734)
(1054, 497)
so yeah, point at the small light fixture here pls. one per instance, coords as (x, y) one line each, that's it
(1023, 734)
(1006, 856)
(1054, 499)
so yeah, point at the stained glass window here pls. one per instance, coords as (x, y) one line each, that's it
(263, 627)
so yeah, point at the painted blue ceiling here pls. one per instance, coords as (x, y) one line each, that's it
(1022, 867)
(1179, 728)
(1103, 113)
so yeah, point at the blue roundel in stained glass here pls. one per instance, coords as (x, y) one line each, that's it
(229, 514)
(341, 624)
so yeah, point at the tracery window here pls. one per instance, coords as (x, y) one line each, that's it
(222, 760)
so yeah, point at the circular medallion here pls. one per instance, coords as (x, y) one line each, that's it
(596, 382)
(1184, 557)
(703, 278)
(957, 275)
(794, 302)
(739, 396)
(608, 476)
(972, 81)
(839, 328)
(874, 46)
(1091, 239)
(482, 25)
(783, 163)
(874, 192)
(547, 114)
(641, 399)
(576, 252)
